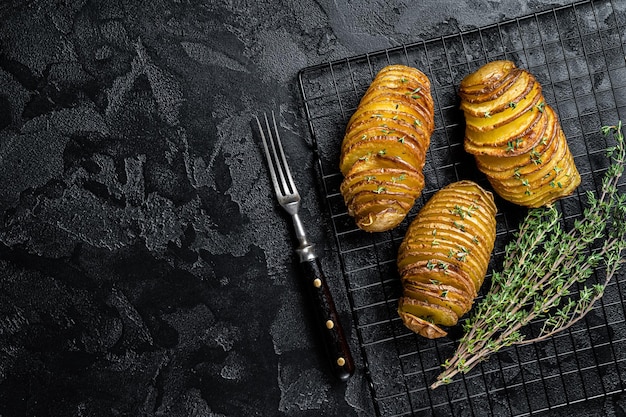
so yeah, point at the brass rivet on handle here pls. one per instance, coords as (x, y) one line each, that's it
(330, 324)
(317, 282)
(341, 361)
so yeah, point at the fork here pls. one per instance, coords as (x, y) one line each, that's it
(335, 343)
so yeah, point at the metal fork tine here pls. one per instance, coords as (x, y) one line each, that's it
(292, 187)
(276, 160)
(268, 156)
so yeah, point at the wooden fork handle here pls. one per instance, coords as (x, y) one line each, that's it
(335, 342)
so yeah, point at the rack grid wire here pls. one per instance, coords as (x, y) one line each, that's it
(577, 53)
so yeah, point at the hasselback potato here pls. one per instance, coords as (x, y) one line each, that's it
(384, 148)
(515, 137)
(444, 257)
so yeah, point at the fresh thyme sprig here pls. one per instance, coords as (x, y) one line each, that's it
(543, 265)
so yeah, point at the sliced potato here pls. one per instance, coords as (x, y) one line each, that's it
(421, 326)
(505, 140)
(384, 148)
(379, 162)
(427, 311)
(445, 262)
(499, 115)
(495, 166)
(384, 116)
(443, 295)
(400, 101)
(406, 180)
(428, 271)
(381, 145)
(521, 147)
(376, 181)
(444, 255)
(562, 180)
(454, 245)
(487, 78)
(511, 93)
(379, 215)
(402, 137)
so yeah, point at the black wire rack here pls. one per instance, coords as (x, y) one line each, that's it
(577, 52)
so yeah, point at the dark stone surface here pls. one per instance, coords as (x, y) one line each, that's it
(145, 267)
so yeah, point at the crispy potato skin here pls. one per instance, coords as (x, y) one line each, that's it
(515, 137)
(384, 148)
(444, 256)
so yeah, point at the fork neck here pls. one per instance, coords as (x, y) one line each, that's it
(305, 250)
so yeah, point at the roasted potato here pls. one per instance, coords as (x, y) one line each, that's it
(384, 148)
(515, 137)
(444, 256)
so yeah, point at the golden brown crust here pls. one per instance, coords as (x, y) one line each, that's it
(515, 137)
(421, 326)
(494, 90)
(486, 78)
(384, 148)
(444, 256)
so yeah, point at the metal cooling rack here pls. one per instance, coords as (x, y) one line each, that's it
(578, 54)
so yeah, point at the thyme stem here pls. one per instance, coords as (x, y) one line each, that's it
(541, 270)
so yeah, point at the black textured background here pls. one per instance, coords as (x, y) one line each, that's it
(145, 266)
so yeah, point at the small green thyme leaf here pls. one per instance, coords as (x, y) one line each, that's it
(541, 106)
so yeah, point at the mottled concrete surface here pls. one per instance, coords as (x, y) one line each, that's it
(145, 267)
